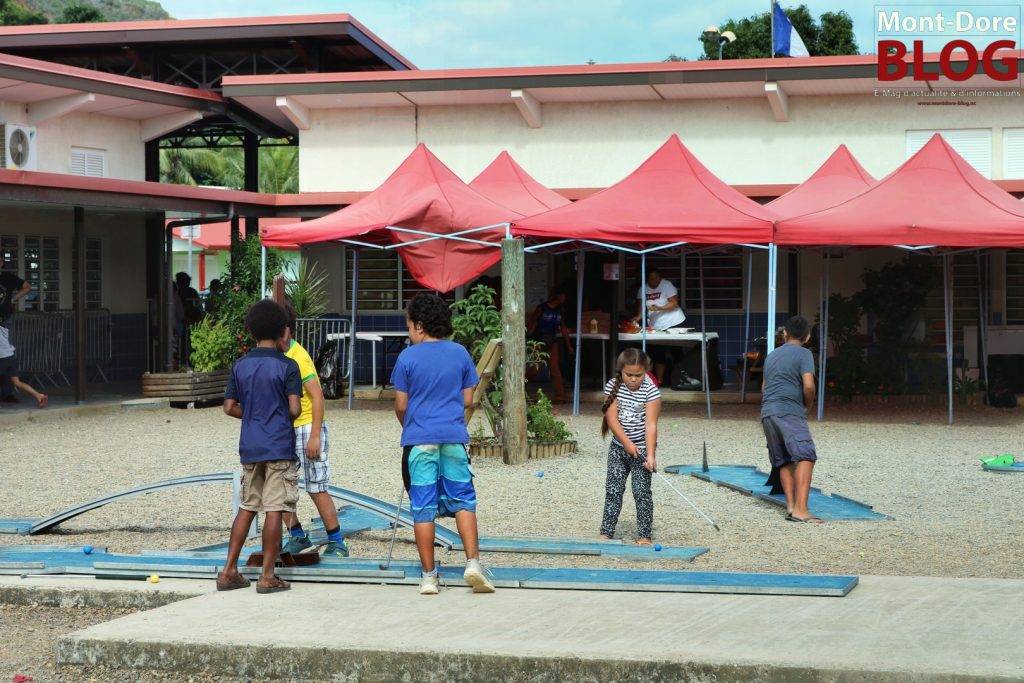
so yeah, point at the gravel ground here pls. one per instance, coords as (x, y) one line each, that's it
(951, 518)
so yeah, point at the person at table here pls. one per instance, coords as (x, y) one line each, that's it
(663, 312)
(547, 323)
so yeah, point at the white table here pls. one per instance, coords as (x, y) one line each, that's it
(374, 338)
(665, 338)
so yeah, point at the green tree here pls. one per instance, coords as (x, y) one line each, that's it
(675, 58)
(79, 13)
(279, 169)
(832, 35)
(14, 14)
(191, 166)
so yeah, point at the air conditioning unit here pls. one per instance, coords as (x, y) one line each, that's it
(18, 151)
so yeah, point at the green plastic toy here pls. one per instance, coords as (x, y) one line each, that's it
(1005, 460)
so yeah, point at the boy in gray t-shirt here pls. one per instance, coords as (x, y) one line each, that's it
(787, 394)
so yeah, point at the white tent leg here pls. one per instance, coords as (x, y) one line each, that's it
(772, 263)
(263, 272)
(703, 334)
(579, 331)
(352, 329)
(947, 293)
(746, 327)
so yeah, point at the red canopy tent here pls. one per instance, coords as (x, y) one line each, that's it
(841, 177)
(671, 197)
(670, 200)
(505, 182)
(426, 211)
(934, 199)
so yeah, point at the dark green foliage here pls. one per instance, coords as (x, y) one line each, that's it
(79, 13)
(13, 13)
(831, 35)
(112, 10)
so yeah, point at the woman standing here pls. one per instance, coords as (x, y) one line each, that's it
(548, 322)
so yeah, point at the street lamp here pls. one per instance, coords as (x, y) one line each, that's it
(712, 34)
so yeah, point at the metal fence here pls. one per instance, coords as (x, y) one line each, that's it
(45, 344)
(325, 335)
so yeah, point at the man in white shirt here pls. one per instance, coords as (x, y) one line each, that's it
(663, 312)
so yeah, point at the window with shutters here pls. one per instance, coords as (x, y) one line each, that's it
(89, 162)
(1013, 152)
(40, 258)
(1015, 287)
(975, 145)
(93, 272)
(385, 284)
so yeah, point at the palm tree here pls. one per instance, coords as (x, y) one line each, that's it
(191, 166)
(279, 169)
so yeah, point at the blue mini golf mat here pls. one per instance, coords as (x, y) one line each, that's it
(1007, 469)
(750, 481)
(49, 560)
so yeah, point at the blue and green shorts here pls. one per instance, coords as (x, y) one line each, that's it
(439, 480)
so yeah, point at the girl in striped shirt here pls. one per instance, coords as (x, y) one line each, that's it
(631, 408)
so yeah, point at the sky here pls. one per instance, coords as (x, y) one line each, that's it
(440, 34)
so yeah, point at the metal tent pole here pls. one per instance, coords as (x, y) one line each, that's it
(263, 272)
(579, 331)
(826, 273)
(703, 333)
(947, 295)
(983, 323)
(643, 302)
(772, 262)
(352, 328)
(746, 327)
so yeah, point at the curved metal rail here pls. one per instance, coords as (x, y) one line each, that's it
(444, 536)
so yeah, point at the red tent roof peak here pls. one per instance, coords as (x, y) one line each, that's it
(934, 198)
(507, 183)
(841, 177)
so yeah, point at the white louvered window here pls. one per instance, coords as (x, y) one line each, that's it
(975, 146)
(90, 162)
(1013, 152)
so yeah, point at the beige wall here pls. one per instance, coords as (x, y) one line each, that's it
(119, 138)
(596, 144)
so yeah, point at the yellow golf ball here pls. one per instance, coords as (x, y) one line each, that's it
(153, 578)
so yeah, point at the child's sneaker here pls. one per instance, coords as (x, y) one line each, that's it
(335, 549)
(476, 576)
(429, 584)
(296, 544)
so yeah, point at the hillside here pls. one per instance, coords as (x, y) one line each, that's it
(113, 10)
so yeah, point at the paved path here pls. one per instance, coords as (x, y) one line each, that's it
(887, 629)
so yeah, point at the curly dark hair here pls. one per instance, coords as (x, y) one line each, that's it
(266, 319)
(433, 313)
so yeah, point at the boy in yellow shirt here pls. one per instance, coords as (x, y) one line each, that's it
(311, 449)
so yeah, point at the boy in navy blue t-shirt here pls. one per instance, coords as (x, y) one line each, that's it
(434, 381)
(264, 392)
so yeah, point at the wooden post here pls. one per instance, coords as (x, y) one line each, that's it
(279, 296)
(513, 318)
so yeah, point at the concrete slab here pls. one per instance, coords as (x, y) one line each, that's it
(890, 629)
(74, 591)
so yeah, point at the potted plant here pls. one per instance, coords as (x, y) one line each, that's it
(475, 323)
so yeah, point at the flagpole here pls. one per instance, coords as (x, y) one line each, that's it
(771, 34)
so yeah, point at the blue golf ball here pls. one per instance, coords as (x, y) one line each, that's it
(657, 546)
(541, 473)
(87, 550)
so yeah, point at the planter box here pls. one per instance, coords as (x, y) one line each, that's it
(185, 387)
(537, 449)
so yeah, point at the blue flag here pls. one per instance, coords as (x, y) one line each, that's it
(785, 39)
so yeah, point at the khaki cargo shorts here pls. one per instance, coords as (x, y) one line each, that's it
(271, 486)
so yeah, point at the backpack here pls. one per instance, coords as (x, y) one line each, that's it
(326, 363)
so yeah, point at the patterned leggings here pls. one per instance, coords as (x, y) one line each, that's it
(620, 466)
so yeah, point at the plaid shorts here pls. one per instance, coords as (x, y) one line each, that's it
(316, 472)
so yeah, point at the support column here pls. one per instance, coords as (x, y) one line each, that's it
(79, 304)
(251, 157)
(513, 440)
(235, 239)
(167, 331)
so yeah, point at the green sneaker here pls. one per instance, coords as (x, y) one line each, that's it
(296, 544)
(334, 549)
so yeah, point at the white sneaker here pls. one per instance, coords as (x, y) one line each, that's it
(429, 585)
(476, 576)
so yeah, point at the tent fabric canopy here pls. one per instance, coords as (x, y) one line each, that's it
(505, 182)
(425, 195)
(671, 197)
(934, 199)
(841, 177)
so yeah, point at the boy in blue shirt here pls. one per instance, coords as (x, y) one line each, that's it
(264, 392)
(787, 394)
(434, 380)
